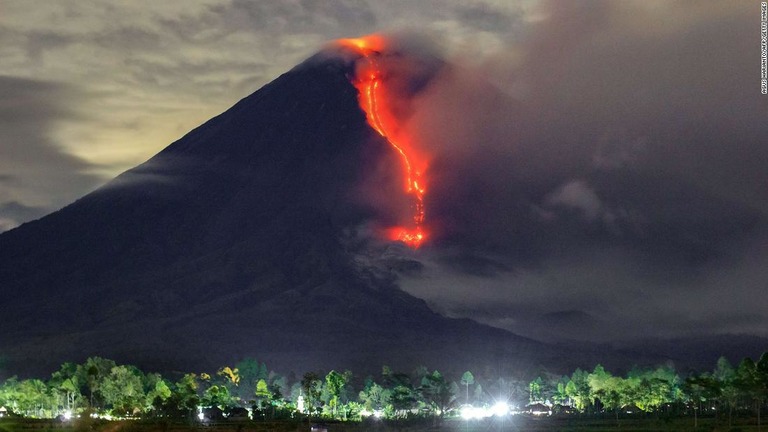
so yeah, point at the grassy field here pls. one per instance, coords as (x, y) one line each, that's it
(519, 423)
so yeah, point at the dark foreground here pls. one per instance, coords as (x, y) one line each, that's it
(517, 423)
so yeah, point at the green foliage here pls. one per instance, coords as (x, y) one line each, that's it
(578, 390)
(183, 401)
(438, 393)
(103, 386)
(160, 393)
(606, 389)
(335, 383)
(534, 391)
(250, 373)
(375, 397)
(90, 374)
(218, 396)
(311, 385)
(123, 390)
(467, 379)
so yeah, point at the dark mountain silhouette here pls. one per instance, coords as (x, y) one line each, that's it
(231, 243)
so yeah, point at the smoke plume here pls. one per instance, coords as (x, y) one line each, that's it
(603, 176)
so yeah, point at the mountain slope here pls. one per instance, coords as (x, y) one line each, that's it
(227, 244)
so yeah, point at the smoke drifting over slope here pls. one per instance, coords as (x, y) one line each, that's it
(600, 171)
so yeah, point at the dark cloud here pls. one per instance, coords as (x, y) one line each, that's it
(13, 213)
(37, 177)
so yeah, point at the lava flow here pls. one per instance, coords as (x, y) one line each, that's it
(369, 81)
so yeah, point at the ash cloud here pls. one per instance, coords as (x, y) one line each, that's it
(610, 175)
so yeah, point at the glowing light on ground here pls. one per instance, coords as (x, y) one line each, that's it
(370, 83)
(469, 412)
(500, 409)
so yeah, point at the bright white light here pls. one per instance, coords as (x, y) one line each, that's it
(378, 414)
(500, 409)
(67, 415)
(201, 416)
(468, 412)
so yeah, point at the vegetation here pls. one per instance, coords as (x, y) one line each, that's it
(248, 391)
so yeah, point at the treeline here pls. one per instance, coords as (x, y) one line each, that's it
(102, 387)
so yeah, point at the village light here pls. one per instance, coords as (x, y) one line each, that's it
(500, 409)
(466, 412)
(469, 412)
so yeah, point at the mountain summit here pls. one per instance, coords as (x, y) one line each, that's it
(234, 241)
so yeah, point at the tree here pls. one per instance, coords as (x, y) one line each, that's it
(478, 392)
(403, 395)
(438, 393)
(375, 397)
(761, 376)
(698, 388)
(70, 389)
(64, 382)
(159, 393)
(534, 390)
(230, 378)
(578, 390)
(561, 395)
(467, 379)
(262, 390)
(184, 399)
(91, 374)
(249, 373)
(9, 394)
(263, 396)
(29, 397)
(725, 376)
(335, 383)
(123, 390)
(278, 386)
(752, 381)
(606, 388)
(218, 396)
(650, 389)
(311, 385)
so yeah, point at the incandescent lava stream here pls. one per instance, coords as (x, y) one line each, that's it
(370, 83)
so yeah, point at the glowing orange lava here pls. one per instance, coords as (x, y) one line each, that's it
(369, 82)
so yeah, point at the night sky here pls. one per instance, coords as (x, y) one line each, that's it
(598, 169)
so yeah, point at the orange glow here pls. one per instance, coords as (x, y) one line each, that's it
(370, 84)
(411, 237)
(365, 45)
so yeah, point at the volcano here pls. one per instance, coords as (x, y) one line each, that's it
(237, 240)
